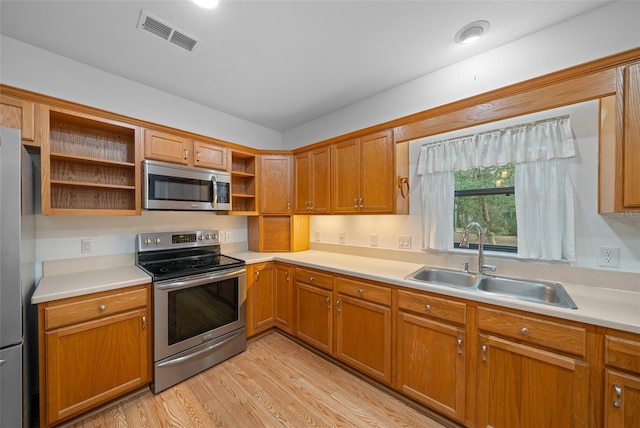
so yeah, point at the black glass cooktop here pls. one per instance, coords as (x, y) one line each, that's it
(170, 264)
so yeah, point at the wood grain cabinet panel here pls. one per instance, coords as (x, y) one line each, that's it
(622, 400)
(19, 114)
(208, 155)
(93, 358)
(276, 188)
(363, 174)
(363, 327)
(261, 307)
(313, 304)
(312, 181)
(166, 147)
(284, 297)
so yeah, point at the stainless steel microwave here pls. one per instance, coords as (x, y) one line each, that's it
(175, 187)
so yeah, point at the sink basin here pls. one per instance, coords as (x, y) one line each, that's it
(550, 293)
(444, 277)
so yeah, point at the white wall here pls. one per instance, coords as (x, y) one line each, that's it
(591, 229)
(27, 67)
(605, 31)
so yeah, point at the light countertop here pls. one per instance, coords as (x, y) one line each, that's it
(605, 307)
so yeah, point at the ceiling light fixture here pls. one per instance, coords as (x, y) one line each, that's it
(471, 32)
(207, 4)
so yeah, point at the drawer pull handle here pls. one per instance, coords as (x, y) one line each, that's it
(484, 352)
(459, 346)
(102, 308)
(618, 401)
(144, 322)
(524, 330)
(427, 307)
(328, 303)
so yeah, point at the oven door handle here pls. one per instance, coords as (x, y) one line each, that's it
(174, 285)
(200, 352)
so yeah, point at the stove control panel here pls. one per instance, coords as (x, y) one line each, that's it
(167, 240)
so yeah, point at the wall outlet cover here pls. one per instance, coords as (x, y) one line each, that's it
(88, 246)
(341, 238)
(609, 257)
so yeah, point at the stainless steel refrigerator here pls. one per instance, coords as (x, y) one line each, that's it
(17, 277)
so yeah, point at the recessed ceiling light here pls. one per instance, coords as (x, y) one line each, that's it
(471, 32)
(207, 4)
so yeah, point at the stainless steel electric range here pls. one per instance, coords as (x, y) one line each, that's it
(199, 295)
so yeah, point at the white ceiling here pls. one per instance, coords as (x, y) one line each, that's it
(276, 63)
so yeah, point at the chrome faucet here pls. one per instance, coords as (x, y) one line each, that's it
(464, 243)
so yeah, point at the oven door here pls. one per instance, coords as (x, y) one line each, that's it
(194, 310)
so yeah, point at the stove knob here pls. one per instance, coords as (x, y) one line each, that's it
(207, 237)
(147, 241)
(200, 237)
(157, 240)
(213, 236)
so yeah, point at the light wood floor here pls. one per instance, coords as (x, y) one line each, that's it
(275, 383)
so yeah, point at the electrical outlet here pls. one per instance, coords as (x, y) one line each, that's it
(374, 239)
(227, 237)
(609, 257)
(88, 246)
(317, 236)
(341, 237)
(404, 241)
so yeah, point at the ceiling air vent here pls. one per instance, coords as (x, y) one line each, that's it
(162, 29)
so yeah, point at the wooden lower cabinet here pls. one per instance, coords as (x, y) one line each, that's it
(621, 380)
(431, 352)
(622, 400)
(92, 349)
(314, 316)
(363, 327)
(261, 308)
(284, 297)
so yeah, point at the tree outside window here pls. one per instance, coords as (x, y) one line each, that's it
(487, 196)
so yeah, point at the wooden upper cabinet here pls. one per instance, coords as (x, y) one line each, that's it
(209, 155)
(167, 147)
(276, 188)
(631, 136)
(313, 181)
(619, 144)
(89, 165)
(20, 114)
(363, 174)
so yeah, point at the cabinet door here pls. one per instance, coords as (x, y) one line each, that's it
(320, 190)
(276, 188)
(314, 318)
(431, 363)
(345, 173)
(284, 302)
(631, 138)
(363, 336)
(263, 297)
(521, 386)
(302, 182)
(90, 363)
(622, 400)
(207, 155)
(377, 169)
(19, 114)
(167, 147)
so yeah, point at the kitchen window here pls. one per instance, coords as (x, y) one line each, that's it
(487, 196)
(535, 157)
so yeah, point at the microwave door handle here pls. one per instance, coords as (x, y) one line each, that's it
(214, 182)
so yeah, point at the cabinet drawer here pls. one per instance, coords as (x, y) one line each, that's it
(76, 310)
(435, 307)
(622, 353)
(314, 277)
(555, 335)
(363, 290)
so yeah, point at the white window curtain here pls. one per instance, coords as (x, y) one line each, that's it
(544, 193)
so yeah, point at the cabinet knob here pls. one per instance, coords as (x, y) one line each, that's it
(310, 278)
(360, 291)
(186, 153)
(102, 308)
(427, 307)
(524, 330)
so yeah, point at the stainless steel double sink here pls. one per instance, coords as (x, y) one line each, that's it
(548, 293)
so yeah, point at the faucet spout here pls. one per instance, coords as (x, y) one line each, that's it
(464, 243)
